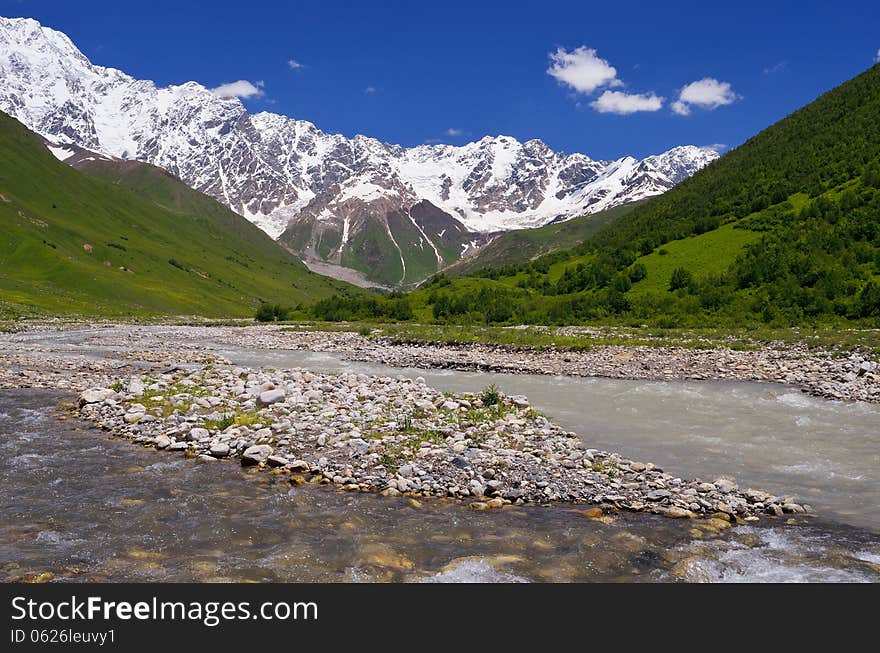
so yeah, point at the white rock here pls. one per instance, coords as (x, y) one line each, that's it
(198, 434)
(220, 450)
(95, 395)
(271, 396)
(256, 454)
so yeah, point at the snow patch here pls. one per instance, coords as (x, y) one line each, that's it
(61, 153)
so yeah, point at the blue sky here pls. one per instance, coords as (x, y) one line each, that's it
(416, 72)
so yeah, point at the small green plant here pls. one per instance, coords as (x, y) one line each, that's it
(603, 468)
(221, 424)
(117, 386)
(230, 419)
(389, 462)
(490, 396)
(364, 331)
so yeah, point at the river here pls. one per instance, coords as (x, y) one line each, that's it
(80, 505)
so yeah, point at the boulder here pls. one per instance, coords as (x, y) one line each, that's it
(256, 454)
(220, 450)
(268, 397)
(95, 395)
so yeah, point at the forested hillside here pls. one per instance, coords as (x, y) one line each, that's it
(783, 230)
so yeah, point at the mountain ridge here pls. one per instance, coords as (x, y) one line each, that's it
(274, 170)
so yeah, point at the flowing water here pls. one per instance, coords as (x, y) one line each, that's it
(83, 506)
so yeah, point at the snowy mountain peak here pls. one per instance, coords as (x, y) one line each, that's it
(273, 169)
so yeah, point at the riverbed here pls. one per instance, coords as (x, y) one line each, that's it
(80, 505)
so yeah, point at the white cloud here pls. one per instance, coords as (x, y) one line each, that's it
(370, 90)
(776, 68)
(293, 64)
(680, 108)
(877, 58)
(240, 89)
(707, 93)
(626, 103)
(582, 69)
(454, 131)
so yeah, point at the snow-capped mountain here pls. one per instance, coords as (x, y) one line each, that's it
(344, 201)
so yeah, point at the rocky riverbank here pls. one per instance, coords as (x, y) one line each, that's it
(399, 436)
(38, 355)
(820, 373)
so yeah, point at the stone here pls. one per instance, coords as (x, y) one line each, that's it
(219, 450)
(477, 488)
(720, 506)
(792, 508)
(382, 555)
(163, 442)
(197, 434)
(756, 496)
(497, 502)
(256, 454)
(271, 396)
(658, 495)
(299, 466)
(725, 486)
(178, 446)
(678, 513)
(132, 418)
(358, 445)
(95, 395)
(276, 461)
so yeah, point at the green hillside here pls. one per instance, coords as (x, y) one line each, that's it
(522, 245)
(134, 242)
(783, 230)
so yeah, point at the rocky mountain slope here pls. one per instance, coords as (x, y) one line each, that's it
(345, 201)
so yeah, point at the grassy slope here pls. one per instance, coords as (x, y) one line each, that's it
(709, 253)
(49, 211)
(522, 245)
(709, 220)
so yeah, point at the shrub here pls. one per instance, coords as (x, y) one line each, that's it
(681, 278)
(490, 396)
(271, 313)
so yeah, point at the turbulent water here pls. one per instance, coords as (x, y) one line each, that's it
(83, 506)
(80, 505)
(768, 436)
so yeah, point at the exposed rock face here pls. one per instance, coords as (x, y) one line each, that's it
(345, 201)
